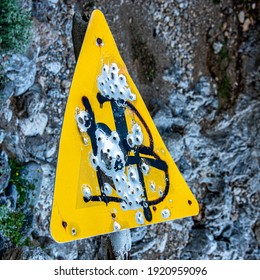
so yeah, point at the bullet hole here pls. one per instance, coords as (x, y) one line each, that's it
(99, 42)
(166, 213)
(113, 215)
(73, 231)
(117, 226)
(189, 202)
(145, 168)
(152, 186)
(139, 217)
(154, 208)
(64, 224)
(130, 142)
(80, 120)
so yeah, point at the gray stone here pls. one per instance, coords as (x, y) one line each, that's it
(36, 147)
(26, 253)
(121, 243)
(21, 69)
(201, 245)
(137, 234)
(11, 197)
(60, 251)
(241, 17)
(217, 46)
(32, 173)
(5, 171)
(54, 67)
(33, 101)
(42, 209)
(2, 135)
(65, 84)
(6, 93)
(34, 125)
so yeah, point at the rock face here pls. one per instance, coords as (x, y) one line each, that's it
(34, 125)
(21, 69)
(196, 64)
(5, 171)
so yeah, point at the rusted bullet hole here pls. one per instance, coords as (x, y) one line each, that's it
(154, 208)
(190, 202)
(64, 224)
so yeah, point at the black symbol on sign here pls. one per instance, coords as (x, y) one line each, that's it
(141, 156)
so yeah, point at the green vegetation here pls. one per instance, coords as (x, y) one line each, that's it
(11, 224)
(224, 85)
(224, 54)
(15, 26)
(12, 221)
(22, 185)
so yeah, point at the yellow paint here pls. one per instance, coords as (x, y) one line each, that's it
(73, 218)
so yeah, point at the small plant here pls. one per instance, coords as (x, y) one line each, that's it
(224, 85)
(15, 26)
(23, 186)
(224, 88)
(12, 221)
(11, 224)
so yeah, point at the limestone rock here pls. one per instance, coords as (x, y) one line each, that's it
(34, 125)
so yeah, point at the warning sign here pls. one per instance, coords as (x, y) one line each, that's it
(114, 172)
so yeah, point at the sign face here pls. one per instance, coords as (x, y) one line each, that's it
(114, 171)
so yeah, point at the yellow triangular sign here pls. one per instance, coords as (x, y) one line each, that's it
(114, 171)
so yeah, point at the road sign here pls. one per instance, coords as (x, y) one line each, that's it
(114, 172)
